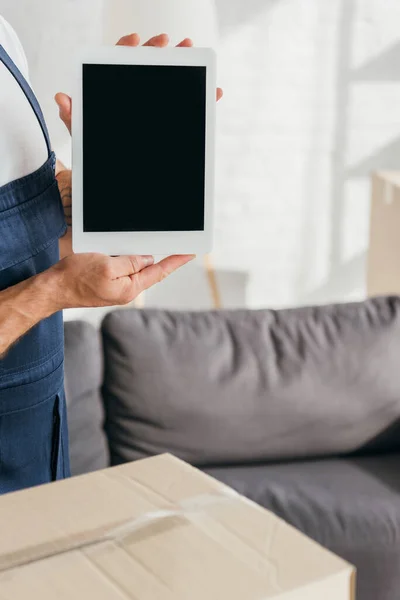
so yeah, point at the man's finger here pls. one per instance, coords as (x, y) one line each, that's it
(156, 273)
(133, 39)
(186, 43)
(158, 41)
(126, 266)
(65, 107)
(220, 93)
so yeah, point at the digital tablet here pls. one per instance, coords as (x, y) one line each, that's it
(143, 150)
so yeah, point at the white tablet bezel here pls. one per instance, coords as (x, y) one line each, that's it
(154, 243)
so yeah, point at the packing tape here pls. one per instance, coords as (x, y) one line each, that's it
(195, 504)
(191, 505)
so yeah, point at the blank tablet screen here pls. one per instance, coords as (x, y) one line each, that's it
(144, 133)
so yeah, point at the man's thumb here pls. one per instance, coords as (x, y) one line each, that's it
(65, 105)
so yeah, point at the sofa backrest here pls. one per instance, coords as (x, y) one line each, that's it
(243, 386)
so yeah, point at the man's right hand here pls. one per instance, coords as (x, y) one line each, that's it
(85, 280)
(80, 280)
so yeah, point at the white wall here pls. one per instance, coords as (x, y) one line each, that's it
(312, 105)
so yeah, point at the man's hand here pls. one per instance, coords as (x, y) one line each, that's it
(159, 41)
(85, 280)
(80, 280)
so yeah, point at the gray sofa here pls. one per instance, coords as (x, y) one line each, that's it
(297, 409)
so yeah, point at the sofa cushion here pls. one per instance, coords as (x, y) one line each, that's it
(83, 380)
(350, 506)
(245, 386)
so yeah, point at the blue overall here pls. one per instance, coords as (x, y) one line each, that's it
(33, 425)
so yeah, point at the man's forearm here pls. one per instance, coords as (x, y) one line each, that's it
(23, 305)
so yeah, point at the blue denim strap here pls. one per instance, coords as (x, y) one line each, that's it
(24, 85)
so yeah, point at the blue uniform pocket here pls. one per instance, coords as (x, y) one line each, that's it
(55, 447)
(30, 227)
(60, 453)
(33, 445)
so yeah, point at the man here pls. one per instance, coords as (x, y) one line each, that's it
(35, 209)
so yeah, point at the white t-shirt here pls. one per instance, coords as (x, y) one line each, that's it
(22, 144)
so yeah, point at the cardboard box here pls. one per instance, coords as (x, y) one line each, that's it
(156, 529)
(383, 265)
